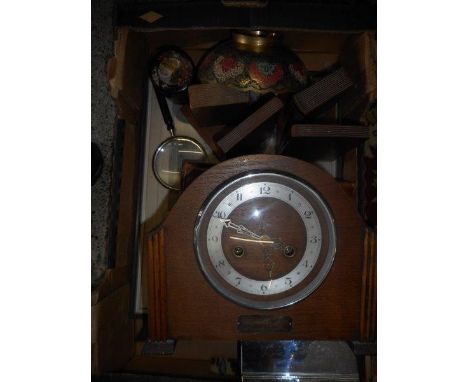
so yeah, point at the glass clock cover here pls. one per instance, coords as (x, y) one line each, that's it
(265, 240)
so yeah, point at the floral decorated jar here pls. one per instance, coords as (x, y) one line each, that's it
(254, 61)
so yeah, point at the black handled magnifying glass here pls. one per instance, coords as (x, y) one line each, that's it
(171, 73)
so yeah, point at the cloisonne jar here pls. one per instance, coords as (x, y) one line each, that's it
(171, 72)
(254, 61)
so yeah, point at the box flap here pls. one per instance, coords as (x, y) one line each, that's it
(127, 71)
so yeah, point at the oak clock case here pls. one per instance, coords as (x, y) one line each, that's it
(263, 239)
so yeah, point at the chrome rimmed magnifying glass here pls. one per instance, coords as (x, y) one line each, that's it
(169, 157)
(171, 153)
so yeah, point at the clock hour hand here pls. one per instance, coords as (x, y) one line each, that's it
(259, 241)
(239, 228)
(265, 239)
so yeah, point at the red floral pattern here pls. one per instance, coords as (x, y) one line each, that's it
(265, 74)
(252, 72)
(227, 67)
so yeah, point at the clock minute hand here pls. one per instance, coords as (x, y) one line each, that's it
(229, 224)
(250, 233)
(239, 228)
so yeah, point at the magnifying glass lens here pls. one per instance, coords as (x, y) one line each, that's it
(168, 159)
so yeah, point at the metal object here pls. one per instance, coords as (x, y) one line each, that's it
(289, 251)
(298, 361)
(170, 154)
(248, 297)
(256, 61)
(264, 324)
(172, 71)
(238, 251)
(169, 157)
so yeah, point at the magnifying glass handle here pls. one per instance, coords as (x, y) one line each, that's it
(165, 111)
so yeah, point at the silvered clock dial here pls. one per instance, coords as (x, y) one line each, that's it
(265, 240)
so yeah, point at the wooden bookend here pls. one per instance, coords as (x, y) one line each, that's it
(214, 104)
(324, 142)
(157, 288)
(329, 131)
(250, 124)
(322, 92)
(208, 133)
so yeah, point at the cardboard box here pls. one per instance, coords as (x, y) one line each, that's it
(117, 338)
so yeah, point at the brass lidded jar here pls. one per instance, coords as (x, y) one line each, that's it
(254, 61)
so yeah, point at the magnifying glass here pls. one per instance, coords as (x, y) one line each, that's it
(170, 154)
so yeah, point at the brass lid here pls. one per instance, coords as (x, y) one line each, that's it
(255, 40)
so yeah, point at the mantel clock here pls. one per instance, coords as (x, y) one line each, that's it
(260, 246)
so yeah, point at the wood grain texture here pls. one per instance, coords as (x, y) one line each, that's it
(250, 124)
(112, 332)
(112, 280)
(369, 288)
(359, 57)
(322, 92)
(214, 104)
(191, 359)
(192, 170)
(157, 294)
(314, 142)
(209, 133)
(196, 311)
(212, 95)
(191, 368)
(329, 131)
(127, 211)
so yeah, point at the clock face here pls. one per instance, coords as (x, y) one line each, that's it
(265, 240)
